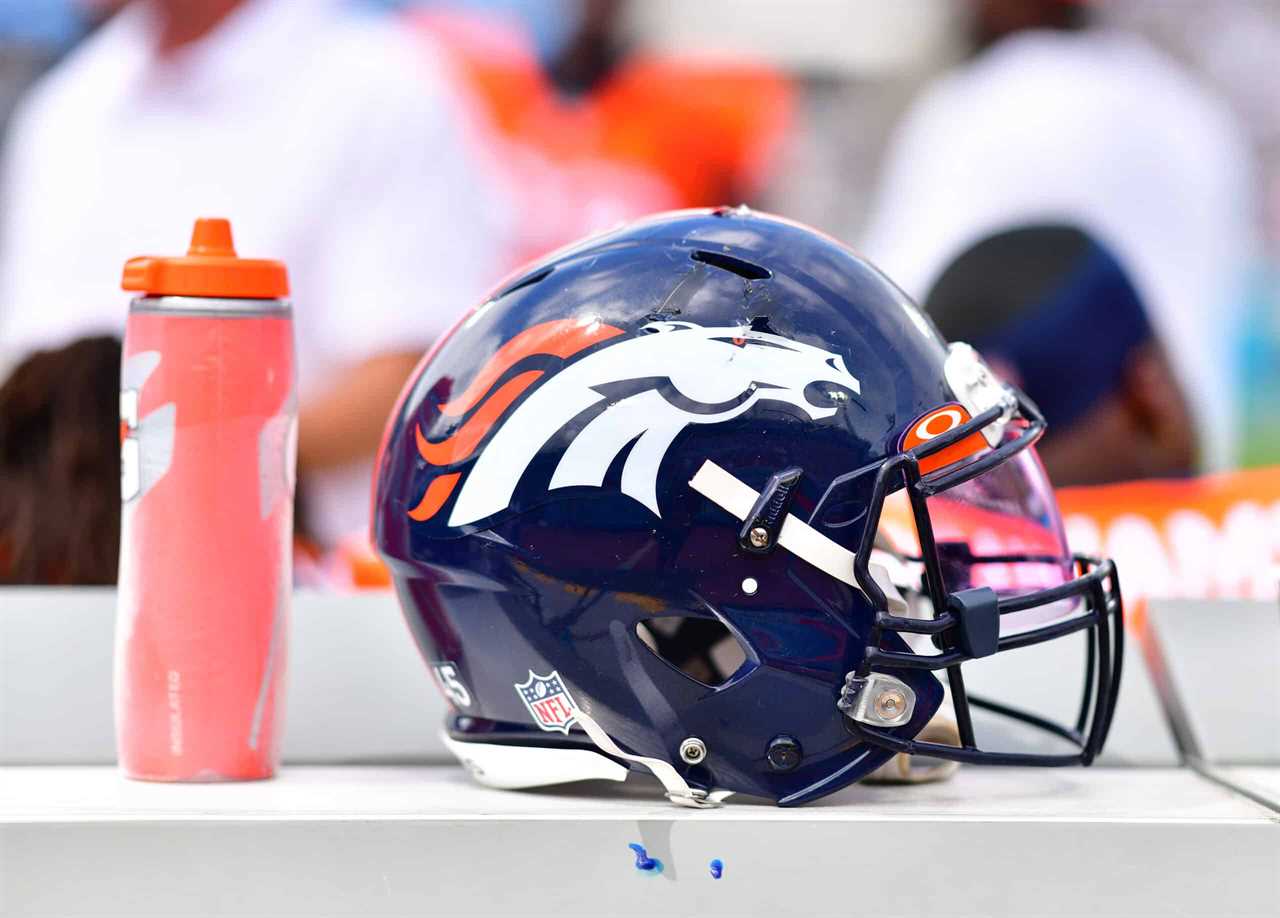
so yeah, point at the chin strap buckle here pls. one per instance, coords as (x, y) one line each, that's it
(678, 790)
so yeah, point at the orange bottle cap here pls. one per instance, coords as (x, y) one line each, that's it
(210, 268)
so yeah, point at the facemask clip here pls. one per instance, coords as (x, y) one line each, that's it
(977, 612)
(759, 532)
(879, 700)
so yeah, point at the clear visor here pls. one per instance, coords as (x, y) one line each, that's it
(1000, 530)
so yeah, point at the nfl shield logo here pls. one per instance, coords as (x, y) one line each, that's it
(548, 700)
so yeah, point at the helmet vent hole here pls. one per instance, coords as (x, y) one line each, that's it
(701, 648)
(527, 281)
(738, 266)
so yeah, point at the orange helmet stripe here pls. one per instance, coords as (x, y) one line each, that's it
(561, 338)
(463, 442)
(437, 493)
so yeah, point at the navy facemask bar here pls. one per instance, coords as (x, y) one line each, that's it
(958, 628)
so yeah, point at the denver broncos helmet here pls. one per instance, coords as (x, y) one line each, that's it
(708, 497)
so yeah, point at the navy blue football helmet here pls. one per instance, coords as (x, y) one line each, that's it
(708, 497)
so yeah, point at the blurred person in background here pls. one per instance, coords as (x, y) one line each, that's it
(32, 38)
(60, 466)
(1055, 120)
(331, 140)
(1025, 297)
(593, 130)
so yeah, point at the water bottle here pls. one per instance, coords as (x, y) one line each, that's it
(208, 440)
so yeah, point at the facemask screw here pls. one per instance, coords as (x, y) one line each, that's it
(759, 537)
(693, 750)
(890, 703)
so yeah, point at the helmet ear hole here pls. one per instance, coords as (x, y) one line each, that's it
(703, 649)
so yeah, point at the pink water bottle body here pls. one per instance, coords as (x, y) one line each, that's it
(208, 445)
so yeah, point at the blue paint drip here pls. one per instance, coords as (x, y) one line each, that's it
(643, 861)
(717, 868)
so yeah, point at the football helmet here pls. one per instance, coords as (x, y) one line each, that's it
(708, 497)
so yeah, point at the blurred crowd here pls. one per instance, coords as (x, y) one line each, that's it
(1087, 192)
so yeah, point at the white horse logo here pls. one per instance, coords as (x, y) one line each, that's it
(671, 375)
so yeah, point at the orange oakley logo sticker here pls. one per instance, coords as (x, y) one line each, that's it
(934, 424)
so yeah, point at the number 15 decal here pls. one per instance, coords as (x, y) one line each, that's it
(450, 684)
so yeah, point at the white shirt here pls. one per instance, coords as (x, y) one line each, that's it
(1101, 130)
(329, 140)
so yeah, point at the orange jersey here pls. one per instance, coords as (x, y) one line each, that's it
(658, 133)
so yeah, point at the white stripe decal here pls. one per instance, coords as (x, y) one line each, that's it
(796, 536)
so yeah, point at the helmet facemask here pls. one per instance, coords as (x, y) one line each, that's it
(978, 549)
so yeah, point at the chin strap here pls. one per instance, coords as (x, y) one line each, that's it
(678, 790)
